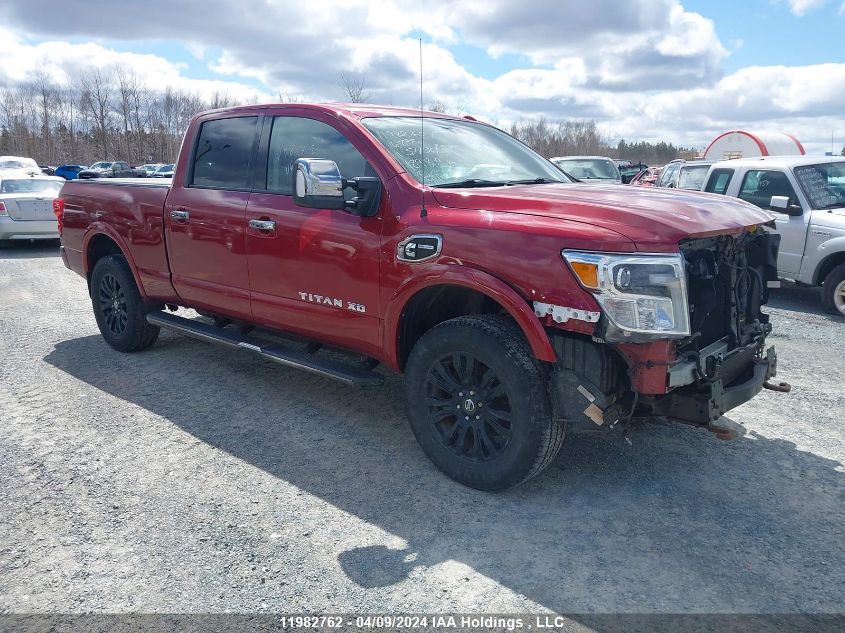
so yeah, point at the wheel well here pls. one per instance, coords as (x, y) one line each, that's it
(100, 246)
(436, 304)
(828, 264)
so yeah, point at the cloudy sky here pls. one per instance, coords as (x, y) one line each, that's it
(678, 70)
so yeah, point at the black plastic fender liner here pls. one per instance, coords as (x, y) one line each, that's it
(587, 384)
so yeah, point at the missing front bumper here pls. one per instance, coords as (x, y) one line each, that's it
(705, 402)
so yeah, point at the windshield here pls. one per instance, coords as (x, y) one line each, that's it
(460, 153)
(589, 168)
(101, 165)
(823, 184)
(692, 177)
(164, 168)
(31, 185)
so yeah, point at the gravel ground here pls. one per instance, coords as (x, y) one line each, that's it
(191, 479)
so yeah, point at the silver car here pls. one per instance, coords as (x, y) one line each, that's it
(26, 206)
(597, 169)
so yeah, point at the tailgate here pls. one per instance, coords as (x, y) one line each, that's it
(29, 207)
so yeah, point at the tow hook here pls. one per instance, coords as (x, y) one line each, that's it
(722, 432)
(783, 387)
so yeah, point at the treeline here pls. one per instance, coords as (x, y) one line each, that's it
(111, 114)
(568, 138)
(103, 114)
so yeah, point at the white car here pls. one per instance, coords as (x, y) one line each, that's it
(19, 163)
(599, 169)
(806, 196)
(26, 205)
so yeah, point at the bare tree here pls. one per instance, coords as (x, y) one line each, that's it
(437, 106)
(45, 92)
(103, 111)
(97, 89)
(355, 87)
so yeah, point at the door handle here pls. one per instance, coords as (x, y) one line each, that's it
(180, 214)
(262, 225)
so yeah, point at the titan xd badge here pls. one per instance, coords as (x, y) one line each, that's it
(417, 248)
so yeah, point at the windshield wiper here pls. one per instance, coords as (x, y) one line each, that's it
(480, 182)
(471, 182)
(532, 181)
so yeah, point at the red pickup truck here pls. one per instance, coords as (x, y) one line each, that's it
(518, 304)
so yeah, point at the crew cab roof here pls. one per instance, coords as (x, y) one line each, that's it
(355, 110)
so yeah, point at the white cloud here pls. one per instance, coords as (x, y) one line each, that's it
(642, 68)
(62, 62)
(800, 8)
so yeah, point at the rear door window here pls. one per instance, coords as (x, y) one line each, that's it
(719, 181)
(223, 153)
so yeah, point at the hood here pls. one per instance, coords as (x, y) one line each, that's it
(829, 218)
(653, 218)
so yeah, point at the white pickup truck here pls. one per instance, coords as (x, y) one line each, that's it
(806, 195)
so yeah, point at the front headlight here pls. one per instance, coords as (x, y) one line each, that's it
(640, 294)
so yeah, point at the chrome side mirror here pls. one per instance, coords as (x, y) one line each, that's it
(318, 184)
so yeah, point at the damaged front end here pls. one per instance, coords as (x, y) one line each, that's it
(720, 363)
(724, 362)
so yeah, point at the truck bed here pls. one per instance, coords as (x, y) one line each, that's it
(131, 212)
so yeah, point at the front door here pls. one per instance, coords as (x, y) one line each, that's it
(758, 187)
(205, 219)
(314, 272)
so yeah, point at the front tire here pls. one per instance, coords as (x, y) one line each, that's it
(118, 306)
(833, 291)
(478, 403)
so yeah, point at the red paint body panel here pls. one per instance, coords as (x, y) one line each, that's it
(331, 254)
(129, 214)
(504, 242)
(655, 220)
(208, 259)
(648, 364)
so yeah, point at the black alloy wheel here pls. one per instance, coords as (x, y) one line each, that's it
(120, 310)
(478, 402)
(113, 304)
(468, 407)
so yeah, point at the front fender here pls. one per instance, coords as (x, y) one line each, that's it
(458, 275)
(816, 253)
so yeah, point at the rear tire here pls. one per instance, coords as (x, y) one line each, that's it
(833, 291)
(118, 306)
(478, 403)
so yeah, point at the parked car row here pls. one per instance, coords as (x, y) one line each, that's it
(101, 169)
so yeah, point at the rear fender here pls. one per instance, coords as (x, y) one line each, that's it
(99, 228)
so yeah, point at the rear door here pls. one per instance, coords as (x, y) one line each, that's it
(316, 271)
(205, 221)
